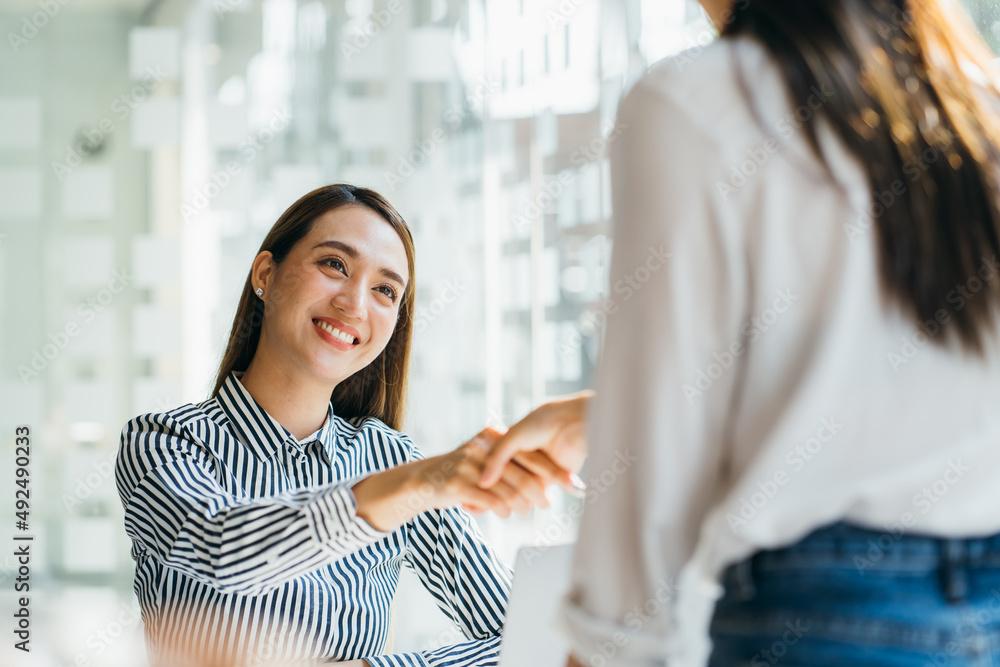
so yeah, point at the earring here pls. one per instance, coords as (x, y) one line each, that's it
(260, 292)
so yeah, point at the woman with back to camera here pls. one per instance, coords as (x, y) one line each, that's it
(269, 522)
(810, 387)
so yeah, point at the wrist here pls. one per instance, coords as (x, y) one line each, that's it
(390, 498)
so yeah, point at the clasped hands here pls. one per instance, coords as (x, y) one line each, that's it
(504, 471)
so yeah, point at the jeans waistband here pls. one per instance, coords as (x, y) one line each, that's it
(847, 545)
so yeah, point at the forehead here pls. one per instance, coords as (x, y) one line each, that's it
(375, 239)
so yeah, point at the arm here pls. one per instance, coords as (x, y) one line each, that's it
(650, 428)
(468, 581)
(176, 509)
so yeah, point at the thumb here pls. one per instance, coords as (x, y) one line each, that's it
(503, 450)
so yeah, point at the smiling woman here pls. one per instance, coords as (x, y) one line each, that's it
(343, 230)
(269, 522)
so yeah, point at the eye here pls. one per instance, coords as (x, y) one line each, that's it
(334, 263)
(388, 291)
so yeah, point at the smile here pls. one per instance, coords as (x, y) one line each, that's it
(336, 333)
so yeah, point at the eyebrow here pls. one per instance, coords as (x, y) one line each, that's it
(353, 253)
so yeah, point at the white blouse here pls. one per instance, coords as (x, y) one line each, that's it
(756, 385)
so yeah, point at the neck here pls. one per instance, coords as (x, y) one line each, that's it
(297, 403)
(719, 12)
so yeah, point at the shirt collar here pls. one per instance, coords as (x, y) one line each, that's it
(261, 432)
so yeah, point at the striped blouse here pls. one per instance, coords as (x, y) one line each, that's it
(248, 547)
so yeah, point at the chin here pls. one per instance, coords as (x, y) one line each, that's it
(328, 370)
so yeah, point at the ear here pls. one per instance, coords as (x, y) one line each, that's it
(262, 271)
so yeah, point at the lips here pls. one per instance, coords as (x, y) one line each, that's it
(338, 330)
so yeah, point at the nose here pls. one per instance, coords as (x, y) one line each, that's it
(351, 299)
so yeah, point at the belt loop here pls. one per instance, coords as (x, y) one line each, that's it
(743, 575)
(954, 575)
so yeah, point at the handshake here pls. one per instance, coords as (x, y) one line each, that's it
(504, 471)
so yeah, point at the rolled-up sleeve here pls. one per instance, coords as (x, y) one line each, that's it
(176, 509)
(656, 432)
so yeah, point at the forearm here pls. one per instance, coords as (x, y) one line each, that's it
(393, 497)
(245, 547)
(389, 499)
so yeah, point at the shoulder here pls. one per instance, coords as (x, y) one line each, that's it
(711, 90)
(387, 445)
(177, 421)
(155, 437)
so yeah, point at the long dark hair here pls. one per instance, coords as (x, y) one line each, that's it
(915, 101)
(377, 390)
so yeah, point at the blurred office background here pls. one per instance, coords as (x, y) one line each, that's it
(146, 146)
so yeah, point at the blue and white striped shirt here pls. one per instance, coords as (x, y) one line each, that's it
(248, 546)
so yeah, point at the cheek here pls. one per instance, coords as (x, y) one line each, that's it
(383, 326)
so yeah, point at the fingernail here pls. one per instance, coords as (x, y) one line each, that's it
(579, 489)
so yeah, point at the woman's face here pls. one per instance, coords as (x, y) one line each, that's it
(332, 303)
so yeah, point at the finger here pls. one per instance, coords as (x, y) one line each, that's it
(522, 436)
(539, 464)
(483, 442)
(512, 498)
(483, 499)
(543, 466)
(528, 484)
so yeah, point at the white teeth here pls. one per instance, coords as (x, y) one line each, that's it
(335, 332)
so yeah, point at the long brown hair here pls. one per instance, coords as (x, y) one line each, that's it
(915, 100)
(379, 389)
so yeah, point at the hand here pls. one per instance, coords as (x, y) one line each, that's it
(452, 479)
(556, 429)
(389, 499)
(573, 662)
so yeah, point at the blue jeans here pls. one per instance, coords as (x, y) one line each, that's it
(848, 596)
